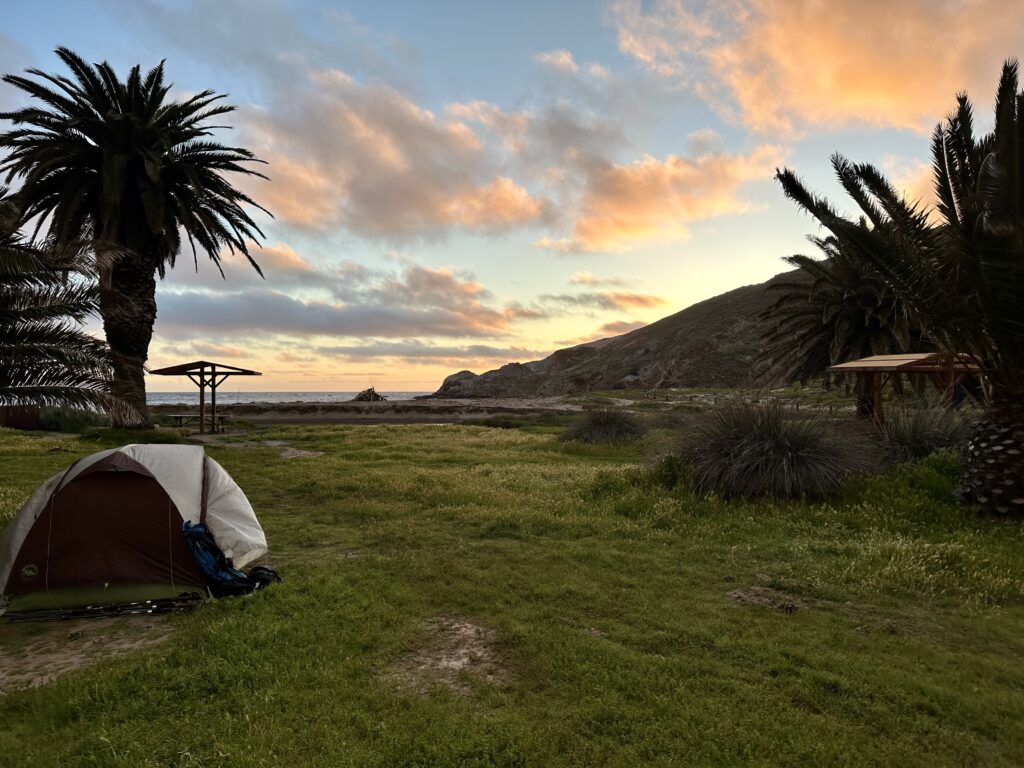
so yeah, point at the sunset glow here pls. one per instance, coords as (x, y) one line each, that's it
(463, 185)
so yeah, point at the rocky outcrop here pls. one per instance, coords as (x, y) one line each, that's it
(710, 344)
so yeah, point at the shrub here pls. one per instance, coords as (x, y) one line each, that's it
(55, 419)
(605, 425)
(915, 433)
(668, 471)
(751, 450)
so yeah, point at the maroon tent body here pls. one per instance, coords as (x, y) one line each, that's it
(109, 530)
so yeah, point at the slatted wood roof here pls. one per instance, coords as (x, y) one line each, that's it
(913, 362)
(199, 366)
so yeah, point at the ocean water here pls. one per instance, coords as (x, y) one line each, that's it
(226, 397)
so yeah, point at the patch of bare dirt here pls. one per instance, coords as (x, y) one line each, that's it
(458, 652)
(766, 598)
(34, 655)
(297, 453)
(287, 452)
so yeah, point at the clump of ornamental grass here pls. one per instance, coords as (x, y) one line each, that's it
(913, 433)
(763, 450)
(605, 425)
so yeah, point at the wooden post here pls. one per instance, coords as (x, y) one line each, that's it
(951, 391)
(202, 402)
(876, 387)
(213, 398)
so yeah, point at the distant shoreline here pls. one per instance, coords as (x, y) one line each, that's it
(191, 397)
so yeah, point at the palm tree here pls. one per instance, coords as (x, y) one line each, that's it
(961, 279)
(117, 162)
(830, 311)
(45, 357)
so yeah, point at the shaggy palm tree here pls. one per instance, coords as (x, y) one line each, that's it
(45, 357)
(961, 279)
(829, 312)
(118, 162)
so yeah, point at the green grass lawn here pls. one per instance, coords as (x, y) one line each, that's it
(627, 624)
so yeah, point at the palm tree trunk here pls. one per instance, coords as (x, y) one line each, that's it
(128, 309)
(993, 472)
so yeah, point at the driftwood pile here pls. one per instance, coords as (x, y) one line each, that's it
(369, 396)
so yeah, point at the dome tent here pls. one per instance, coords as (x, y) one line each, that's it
(108, 530)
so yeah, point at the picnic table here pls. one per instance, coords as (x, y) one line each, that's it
(184, 419)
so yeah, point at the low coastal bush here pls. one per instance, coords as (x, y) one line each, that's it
(916, 433)
(669, 471)
(605, 425)
(54, 419)
(752, 450)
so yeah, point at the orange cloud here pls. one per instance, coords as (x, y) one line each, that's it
(500, 204)
(622, 300)
(280, 257)
(621, 326)
(838, 62)
(510, 126)
(589, 278)
(365, 156)
(788, 64)
(653, 201)
(606, 300)
(914, 178)
(298, 192)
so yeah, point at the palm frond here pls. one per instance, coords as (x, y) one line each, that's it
(960, 281)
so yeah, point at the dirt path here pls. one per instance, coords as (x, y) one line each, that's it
(35, 654)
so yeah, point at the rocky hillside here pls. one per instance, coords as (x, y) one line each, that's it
(710, 344)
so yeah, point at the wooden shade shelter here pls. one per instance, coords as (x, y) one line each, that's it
(943, 369)
(206, 374)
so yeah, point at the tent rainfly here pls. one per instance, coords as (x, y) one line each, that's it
(108, 530)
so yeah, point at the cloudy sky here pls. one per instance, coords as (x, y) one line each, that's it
(459, 183)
